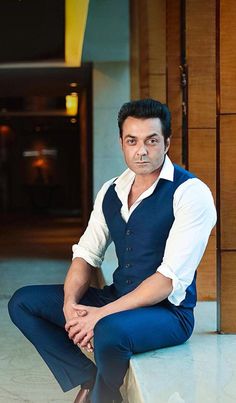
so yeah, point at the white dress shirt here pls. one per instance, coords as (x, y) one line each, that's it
(195, 216)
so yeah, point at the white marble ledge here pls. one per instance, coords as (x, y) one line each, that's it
(201, 370)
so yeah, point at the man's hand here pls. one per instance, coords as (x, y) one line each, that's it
(80, 329)
(71, 313)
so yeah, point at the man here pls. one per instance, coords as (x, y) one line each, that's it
(160, 217)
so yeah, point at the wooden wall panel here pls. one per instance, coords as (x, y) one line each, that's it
(174, 91)
(202, 162)
(148, 50)
(227, 295)
(200, 44)
(134, 51)
(226, 127)
(227, 56)
(156, 12)
(157, 87)
(206, 277)
(201, 61)
(228, 181)
(202, 155)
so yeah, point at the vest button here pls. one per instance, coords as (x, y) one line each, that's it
(128, 281)
(128, 232)
(128, 249)
(128, 265)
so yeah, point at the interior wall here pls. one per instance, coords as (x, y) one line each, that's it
(155, 72)
(201, 62)
(226, 126)
(148, 49)
(174, 90)
(111, 90)
(106, 44)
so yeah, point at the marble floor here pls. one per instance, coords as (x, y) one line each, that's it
(201, 371)
(32, 251)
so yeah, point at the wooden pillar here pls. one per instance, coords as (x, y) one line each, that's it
(226, 128)
(155, 61)
(174, 90)
(148, 49)
(201, 61)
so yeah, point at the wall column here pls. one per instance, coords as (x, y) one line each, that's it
(226, 156)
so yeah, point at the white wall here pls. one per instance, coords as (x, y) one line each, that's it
(107, 46)
(111, 90)
(107, 31)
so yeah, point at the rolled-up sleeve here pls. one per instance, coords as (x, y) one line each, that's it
(96, 238)
(195, 216)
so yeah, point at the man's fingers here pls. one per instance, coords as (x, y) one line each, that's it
(79, 337)
(74, 331)
(79, 307)
(82, 312)
(86, 341)
(70, 323)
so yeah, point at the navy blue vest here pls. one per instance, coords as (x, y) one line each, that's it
(140, 243)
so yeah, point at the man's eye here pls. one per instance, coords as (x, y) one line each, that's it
(131, 141)
(152, 141)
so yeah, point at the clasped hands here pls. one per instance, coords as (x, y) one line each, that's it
(80, 327)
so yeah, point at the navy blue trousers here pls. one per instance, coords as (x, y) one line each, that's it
(37, 312)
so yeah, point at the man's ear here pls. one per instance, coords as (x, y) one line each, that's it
(167, 145)
(121, 143)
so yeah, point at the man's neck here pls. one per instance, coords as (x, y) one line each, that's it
(145, 181)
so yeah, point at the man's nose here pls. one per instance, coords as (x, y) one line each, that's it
(142, 150)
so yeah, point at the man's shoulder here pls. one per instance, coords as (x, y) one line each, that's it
(107, 184)
(180, 172)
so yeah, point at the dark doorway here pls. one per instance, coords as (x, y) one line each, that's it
(46, 142)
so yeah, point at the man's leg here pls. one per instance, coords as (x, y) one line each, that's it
(122, 334)
(38, 312)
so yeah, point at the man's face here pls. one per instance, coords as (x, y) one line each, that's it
(143, 145)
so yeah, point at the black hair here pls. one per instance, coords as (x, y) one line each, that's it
(145, 109)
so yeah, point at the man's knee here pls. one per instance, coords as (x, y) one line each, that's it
(110, 334)
(18, 301)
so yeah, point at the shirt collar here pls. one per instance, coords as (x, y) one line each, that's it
(125, 180)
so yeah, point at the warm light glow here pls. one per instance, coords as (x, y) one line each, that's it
(40, 163)
(72, 104)
(75, 23)
(4, 129)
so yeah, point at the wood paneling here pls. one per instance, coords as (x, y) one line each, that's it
(148, 50)
(228, 181)
(202, 162)
(227, 56)
(200, 44)
(201, 61)
(202, 155)
(134, 50)
(157, 87)
(156, 49)
(227, 295)
(206, 277)
(156, 12)
(174, 91)
(226, 63)
(144, 69)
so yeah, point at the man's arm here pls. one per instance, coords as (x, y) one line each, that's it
(76, 284)
(152, 290)
(87, 254)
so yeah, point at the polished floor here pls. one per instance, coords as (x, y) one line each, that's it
(38, 251)
(33, 250)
